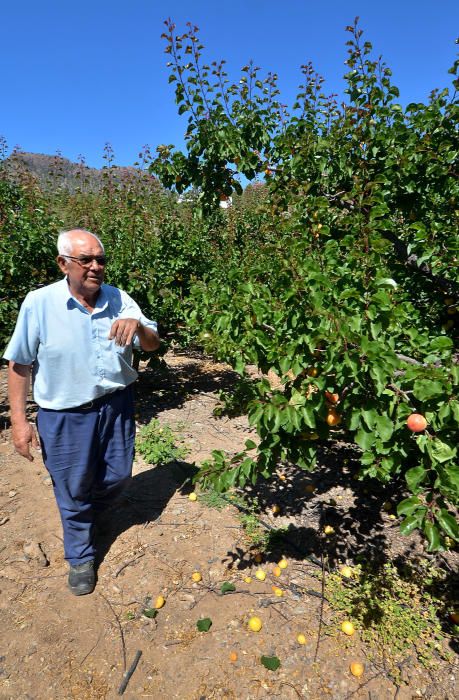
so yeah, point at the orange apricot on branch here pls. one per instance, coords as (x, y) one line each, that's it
(416, 423)
(333, 417)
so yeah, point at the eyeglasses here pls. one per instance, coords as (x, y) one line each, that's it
(86, 260)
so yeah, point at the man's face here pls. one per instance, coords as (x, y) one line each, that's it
(83, 279)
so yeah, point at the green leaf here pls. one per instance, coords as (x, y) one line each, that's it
(448, 523)
(439, 451)
(272, 663)
(385, 427)
(250, 445)
(150, 612)
(226, 587)
(204, 624)
(424, 389)
(409, 524)
(433, 536)
(408, 506)
(414, 477)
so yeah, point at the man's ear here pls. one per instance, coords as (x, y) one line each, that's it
(63, 264)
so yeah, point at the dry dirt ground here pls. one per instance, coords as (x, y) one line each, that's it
(56, 646)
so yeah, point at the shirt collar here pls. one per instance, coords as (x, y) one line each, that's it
(101, 302)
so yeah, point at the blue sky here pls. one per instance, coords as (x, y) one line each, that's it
(75, 75)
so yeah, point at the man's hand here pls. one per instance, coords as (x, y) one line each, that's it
(123, 331)
(24, 435)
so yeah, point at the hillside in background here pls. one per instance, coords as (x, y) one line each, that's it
(55, 172)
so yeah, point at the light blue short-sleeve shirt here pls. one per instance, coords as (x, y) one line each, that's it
(73, 359)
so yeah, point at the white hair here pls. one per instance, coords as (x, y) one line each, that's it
(65, 240)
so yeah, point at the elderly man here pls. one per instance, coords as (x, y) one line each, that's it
(76, 337)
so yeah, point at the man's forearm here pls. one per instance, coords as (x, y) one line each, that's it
(18, 389)
(149, 340)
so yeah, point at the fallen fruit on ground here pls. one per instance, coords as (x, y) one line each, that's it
(283, 563)
(277, 571)
(159, 602)
(416, 423)
(258, 558)
(346, 571)
(357, 669)
(196, 576)
(255, 624)
(329, 530)
(260, 575)
(233, 657)
(348, 628)
(247, 579)
(278, 591)
(193, 496)
(276, 509)
(301, 639)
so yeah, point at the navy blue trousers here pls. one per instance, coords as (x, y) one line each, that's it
(88, 453)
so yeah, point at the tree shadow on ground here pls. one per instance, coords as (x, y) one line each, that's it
(164, 386)
(142, 502)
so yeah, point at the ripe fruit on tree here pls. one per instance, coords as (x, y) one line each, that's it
(255, 624)
(416, 423)
(333, 417)
(331, 398)
(357, 669)
(312, 372)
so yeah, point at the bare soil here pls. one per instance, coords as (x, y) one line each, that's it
(56, 646)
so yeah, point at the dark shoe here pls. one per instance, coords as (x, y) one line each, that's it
(82, 578)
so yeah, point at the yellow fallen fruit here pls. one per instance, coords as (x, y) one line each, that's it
(283, 563)
(159, 602)
(301, 639)
(357, 669)
(233, 657)
(258, 558)
(196, 576)
(346, 571)
(329, 530)
(247, 579)
(278, 591)
(193, 496)
(348, 628)
(260, 575)
(255, 624)
(392, 517)
(277, 571)
(275, 509)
